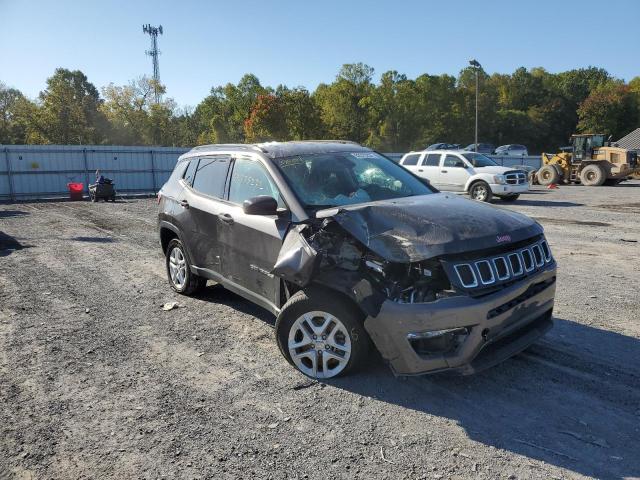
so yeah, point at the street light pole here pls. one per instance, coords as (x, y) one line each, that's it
(476, 65)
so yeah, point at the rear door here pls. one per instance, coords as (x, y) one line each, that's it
(454, 173)
(201, 204)
(251, 243)
(429, 168)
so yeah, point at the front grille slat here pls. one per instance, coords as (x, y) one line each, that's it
(482, 274)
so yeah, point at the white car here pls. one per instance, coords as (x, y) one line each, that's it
(467, 172)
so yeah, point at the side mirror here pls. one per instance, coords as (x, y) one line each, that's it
(460, 164)
(260, 205)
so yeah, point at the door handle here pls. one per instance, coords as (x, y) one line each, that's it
(420, 170)
(184, 204)
(443, 171)
(226, 218)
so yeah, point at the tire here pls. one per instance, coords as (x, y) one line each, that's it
(181, 280)
(480, 191)
(592, 175)
(337, 326)
(548, 175)
(510, 198)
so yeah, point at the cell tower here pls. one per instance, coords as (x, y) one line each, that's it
(153, 53)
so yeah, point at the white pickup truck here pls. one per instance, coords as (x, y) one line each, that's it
(467, 172)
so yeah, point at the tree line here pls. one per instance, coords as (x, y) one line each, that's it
(396, 114)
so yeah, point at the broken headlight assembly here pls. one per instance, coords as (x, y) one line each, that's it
(419, 282)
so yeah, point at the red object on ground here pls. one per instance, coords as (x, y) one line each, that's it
(75, 190)
(552, 186)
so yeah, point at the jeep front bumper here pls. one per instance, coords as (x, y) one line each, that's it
(473, 333)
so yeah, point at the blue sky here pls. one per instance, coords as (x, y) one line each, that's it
(209, 43)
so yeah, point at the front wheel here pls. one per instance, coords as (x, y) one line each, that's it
(480, 191)
(179, 271)
(322, 335)
(593, 175)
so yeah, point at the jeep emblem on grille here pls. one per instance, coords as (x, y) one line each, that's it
(503, 238)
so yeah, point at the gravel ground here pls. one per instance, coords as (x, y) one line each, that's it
(96, 381)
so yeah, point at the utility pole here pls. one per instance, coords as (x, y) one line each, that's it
(476, 65)
(153, 32)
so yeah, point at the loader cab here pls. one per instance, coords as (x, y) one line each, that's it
(583, 146)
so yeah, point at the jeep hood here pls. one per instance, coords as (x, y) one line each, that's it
(414, 229)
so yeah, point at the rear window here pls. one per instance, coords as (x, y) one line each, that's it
(432, 160)
(411, 159)
(191, 169)
(211, 175)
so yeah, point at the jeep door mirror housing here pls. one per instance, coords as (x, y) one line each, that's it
(260, 205)
(460, 164)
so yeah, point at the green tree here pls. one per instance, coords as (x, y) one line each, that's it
(13, 123)
(343, 103)
(69, 111)
(610, 108)
(302, 114)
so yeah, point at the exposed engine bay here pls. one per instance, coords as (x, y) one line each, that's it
(326, 253)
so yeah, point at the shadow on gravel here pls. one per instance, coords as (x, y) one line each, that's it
(572, 400)
(94, 239)
(9, 244)
(12, 213)
(217, 294)
(546, 203)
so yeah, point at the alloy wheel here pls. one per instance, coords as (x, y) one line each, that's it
(319, 344)
(178, 267)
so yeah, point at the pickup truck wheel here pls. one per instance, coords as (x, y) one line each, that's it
(321, 334)
(481, 191)
(179, 271)
(510, 198)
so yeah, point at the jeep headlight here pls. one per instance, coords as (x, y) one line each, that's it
(499, 179)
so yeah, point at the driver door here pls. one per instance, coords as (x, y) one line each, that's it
(250, 243)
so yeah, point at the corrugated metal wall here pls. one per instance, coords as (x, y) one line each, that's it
(43, 171)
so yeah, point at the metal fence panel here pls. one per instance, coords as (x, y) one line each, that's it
(41, 171)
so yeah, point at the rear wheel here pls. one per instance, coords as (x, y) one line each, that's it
(480, 191)
(593, 175)
(181, 279)
(548, 175)
(322, 335)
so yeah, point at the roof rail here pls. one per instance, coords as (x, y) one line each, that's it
(351, 142)
(226, 146)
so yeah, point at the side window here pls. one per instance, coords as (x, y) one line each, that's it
(250, 179)
(411, 159)
(211, 175)
(191, 169)
(431, 160)
(453, 161)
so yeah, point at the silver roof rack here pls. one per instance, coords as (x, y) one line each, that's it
(227, 146)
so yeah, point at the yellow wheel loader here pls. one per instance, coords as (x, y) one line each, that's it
(590, 160)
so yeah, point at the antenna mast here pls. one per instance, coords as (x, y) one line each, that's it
(153, 32)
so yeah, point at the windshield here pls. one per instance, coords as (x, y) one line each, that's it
(479, 160)
(332, 179)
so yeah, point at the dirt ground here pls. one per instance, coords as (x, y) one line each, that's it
(97, 381)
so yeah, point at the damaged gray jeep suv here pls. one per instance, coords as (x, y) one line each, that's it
(350, 251)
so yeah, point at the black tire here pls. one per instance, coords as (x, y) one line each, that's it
(192, 282)
(593, 175)
(548, 175)
(510, 198)
(321, 300)
(480, 191)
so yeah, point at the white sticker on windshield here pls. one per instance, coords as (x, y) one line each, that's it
(364, 155)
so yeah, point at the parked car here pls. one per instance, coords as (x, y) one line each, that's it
(349, 250)
(487, 148)
(443, 146)
(512, 150)
(467, 172)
